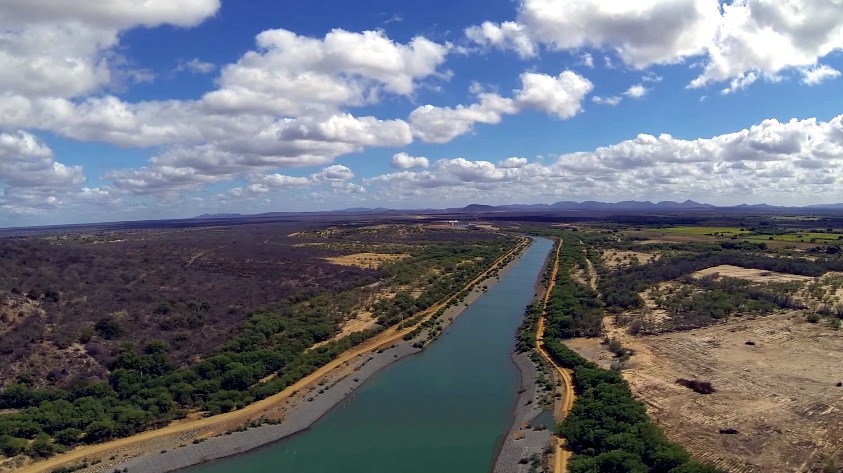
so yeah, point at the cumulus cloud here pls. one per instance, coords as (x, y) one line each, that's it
(507, 35)
(26, 162)
(346, 128)
(334, 173)
(292, 74)
(442, 124)
(59, 49)
(560, 96)
(738, 41)
(405, 161)
(819, 74)
(335, 177)
(766, 161)
(514, 162)
(636, 91)
(685, 27)
(31, 181)
(766, 37)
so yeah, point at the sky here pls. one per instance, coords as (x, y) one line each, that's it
(152, 109)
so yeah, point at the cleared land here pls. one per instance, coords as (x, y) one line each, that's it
(779, 394)
(614, 258)
(754, 275)
(366, 260)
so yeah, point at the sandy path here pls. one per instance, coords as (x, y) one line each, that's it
(239, 417)
(592, 275)
(560, 408)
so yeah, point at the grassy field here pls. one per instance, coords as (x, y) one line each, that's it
(705, 231)
(742, 233)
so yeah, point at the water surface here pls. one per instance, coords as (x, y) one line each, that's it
(443, 410)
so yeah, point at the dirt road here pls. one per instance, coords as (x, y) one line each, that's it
(560, 408)
(221, 422)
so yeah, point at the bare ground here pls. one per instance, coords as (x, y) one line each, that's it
(754, 275)
(779, 394)
(616, 258)
(366, 260)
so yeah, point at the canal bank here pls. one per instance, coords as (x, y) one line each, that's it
(341, 391)
(445, 409)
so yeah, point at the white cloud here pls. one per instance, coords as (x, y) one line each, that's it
(113, 14)
(442, 124)
(25, 162)
(738, 41)
(819, 74)
(507, 35)
(336, 177)
(740, 82)
(56, 49)
(766, 37)
(31, 181)
(611, 101)
(560, 96)
(345, 128)
(625, 27)
(405, 161)
(292, 74)
(280, 181)
(587, 60)
(637, 91)
(196, 66)
(334, 173)
(512, 163)
(788, 162)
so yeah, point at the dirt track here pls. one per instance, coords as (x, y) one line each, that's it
(560, 408)
(223, 422)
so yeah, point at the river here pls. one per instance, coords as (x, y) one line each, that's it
(444, 410)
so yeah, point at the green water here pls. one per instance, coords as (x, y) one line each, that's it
(443, 410)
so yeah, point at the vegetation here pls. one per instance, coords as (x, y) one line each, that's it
(574, 309)
(147, 384)
(608, 430)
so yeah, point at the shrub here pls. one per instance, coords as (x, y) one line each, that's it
(702, 387)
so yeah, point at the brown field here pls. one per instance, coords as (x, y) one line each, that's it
(754, 275)
(366, 260)
(780, 394)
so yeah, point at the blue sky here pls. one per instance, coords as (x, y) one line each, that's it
(173, 108)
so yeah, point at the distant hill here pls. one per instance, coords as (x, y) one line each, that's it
(217, 216)
(562, 206)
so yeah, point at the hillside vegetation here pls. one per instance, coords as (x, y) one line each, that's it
(146, 377)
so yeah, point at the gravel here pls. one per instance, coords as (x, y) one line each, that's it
(533, 441)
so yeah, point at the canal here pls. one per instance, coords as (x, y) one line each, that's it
(444, 410)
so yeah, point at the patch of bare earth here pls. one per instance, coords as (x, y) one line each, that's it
(779, 393)
(754, 275)
(366, 260)
(615, 258)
